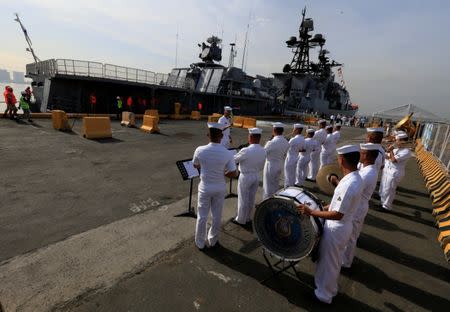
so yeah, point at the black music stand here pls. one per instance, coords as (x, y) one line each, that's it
(279, 267)
(188, 172)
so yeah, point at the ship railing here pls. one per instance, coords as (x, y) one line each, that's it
(79, 68)
(435, 137)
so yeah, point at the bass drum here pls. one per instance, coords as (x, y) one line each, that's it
(282, 230)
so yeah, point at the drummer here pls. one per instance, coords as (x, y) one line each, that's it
(251, 161)
(304, 157)
(338, 223)
(369, 176)
(296, 145)
(276, 150)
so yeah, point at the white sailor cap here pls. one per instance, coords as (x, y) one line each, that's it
(375, 130)
(278, 125)
(321, 121)
(370, 146)
(228, 108)
(215, 125)
(329, 127)
(401, 136)
(298, 126)
(255, 131)
(310, 131)
(347, 149)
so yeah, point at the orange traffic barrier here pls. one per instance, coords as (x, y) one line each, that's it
(195, 115)
(249, 123)
(216, 115)
(128, 119)
(152, 112)
(96, 127)
(150, 124)
(238, 121)
(212, 118)
(60, 120)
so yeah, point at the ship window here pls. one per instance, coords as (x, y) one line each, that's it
(215, 80)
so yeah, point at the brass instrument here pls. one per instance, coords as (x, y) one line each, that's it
(406, 125)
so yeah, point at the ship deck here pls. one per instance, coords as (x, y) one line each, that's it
(88, 225)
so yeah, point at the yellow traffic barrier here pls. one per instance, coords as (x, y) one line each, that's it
(96, 127)
(249, 123)
(128, 119)
(60, 121)
(152, 112)
(150, 124)
(195, 115)
(216, 115)
(212, 118)
(238, 121)
(177, 112)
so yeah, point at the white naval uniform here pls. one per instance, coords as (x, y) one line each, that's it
(296, 144)
(226, 133)
(251, 161)
(275, 154)
(393, 172)
(336, 234)
(369, 176)
(328, 150)
(214, 159)
(314, 164)
(303, 160)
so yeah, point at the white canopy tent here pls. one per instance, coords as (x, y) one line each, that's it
(401, 111)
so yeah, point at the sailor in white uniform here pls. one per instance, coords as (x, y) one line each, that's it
(251, 161)
(276, 150)
(304, 157)
(314, 164)
(375, 135)
(369, 176)
(394, 170)
(328, 148)
(214, 162)
(296, 145)
(338, 225)
(337, 132)
(225, 120)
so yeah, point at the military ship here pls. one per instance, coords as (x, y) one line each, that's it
(307, 86)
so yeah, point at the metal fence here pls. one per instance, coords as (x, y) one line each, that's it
(69, 67)
(436, 139)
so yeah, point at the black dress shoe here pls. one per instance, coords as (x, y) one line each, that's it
(215, 246)
(381, 209)
(233, 220)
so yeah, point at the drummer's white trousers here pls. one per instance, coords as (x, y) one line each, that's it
(314, 164)
(358, 222)
(247, 187)
(331, 252)
(272, 173)
(210, 200)
(301, 170)
(290, 167)
(388, 186)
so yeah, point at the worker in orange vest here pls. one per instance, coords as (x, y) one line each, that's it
(92, 102)
(10, 101)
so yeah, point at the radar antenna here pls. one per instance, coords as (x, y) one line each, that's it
(27, 38)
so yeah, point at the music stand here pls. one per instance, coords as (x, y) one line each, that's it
(188, 172)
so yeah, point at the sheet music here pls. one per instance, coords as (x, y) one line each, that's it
(192, 172)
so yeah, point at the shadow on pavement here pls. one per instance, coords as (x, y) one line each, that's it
(388, 226)
(299, 293)
(412, 192)
(377, 280)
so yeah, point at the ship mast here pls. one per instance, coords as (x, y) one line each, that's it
(27, 38)
(233, 54)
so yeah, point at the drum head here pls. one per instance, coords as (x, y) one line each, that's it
(282, 230)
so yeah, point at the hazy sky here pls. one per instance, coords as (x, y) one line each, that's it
(395, 52)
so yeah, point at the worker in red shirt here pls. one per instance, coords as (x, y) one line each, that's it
(129, 104)
(92, 102)
(10, 101)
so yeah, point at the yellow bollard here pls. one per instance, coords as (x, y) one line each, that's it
(152, 112)
(60, 121)
(128, 119)
(195, 115)
(150, 124)
(249, 123)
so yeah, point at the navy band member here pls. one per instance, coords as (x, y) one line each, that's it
(369, 176)
(327, 154)
(314, 164)
(251, 161)
(296, 145)
(394, 169)
(338, 226)
(225, 120)
(304, 157)
(276, 150)
(215, 162)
